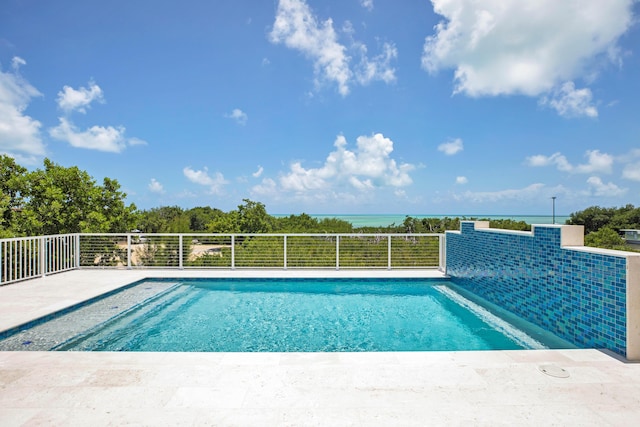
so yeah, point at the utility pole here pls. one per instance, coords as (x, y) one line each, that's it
(553, 204)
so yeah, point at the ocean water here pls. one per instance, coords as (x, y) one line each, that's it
(385, 220)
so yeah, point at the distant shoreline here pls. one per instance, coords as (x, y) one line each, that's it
(385, 220)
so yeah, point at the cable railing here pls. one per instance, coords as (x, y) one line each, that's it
(28, 257)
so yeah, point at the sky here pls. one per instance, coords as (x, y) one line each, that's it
(331, 106)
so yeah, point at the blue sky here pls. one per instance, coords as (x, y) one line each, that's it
(340, 106)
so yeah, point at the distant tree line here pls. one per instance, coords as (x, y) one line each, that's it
(602, 225)
(57, 200)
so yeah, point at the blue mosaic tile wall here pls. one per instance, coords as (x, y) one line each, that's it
(579, 296)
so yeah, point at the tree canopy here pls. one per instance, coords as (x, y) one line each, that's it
(58, 200)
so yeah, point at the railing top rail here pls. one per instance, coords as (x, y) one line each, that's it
(265, 234)
(46, 236)
(49, 236)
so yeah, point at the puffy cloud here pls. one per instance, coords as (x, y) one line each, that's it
(19, 133)
(17, 62)
(137, 141)
(298, 28)
(571, 102)
(461, 180)
(452, 147)
(258, 173)
(201, 177)
(70, 99)
(632, 172)
(109, 139)
(528, 193)
(239, 116)
(155, 186)
(378, 68)
(268, 187)
(600, 189)
(101, 138)
(504, 47)
(597, 162)
(367, 4)
(367, 168)
(558, 159)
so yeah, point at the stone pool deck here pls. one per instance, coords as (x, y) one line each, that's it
(296, 389)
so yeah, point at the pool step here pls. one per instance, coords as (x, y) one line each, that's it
(122, 328)
(50, 331)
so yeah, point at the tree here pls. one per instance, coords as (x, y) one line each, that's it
(509, 224)
(253, 217)
(58, 200)
(11, 190)
(227, 223)
(605, 238)
(593, 218)
(200, 217)
(165, 219)
(626, 217)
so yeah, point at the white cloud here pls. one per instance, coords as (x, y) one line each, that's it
(102, 138)
(528, 193)
(461, 180)
(600, 189)
(452, 147)
(109, 139)
(378, 68)
(504, 47)
(298, 28)
(70, 99)
(155, 186)
(257, 173)
(367, 4)
(268, 187)
(137, 141)
(631, 160)
(239, 116)
(367, 168)
(17, 62)
(632, 172)
(571, 102)
(201, 177)
(19, 133)
(597, 162)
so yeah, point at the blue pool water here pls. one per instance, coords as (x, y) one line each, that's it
(284, 315)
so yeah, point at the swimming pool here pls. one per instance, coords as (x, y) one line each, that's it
(281, 315)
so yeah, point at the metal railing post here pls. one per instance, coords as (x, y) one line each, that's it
(337, 252)
(76, 250)
(128, 251)
(285, 252)
(389, 252)
(443, 252)
(43, 259)
(180, 251)
(233, 252)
